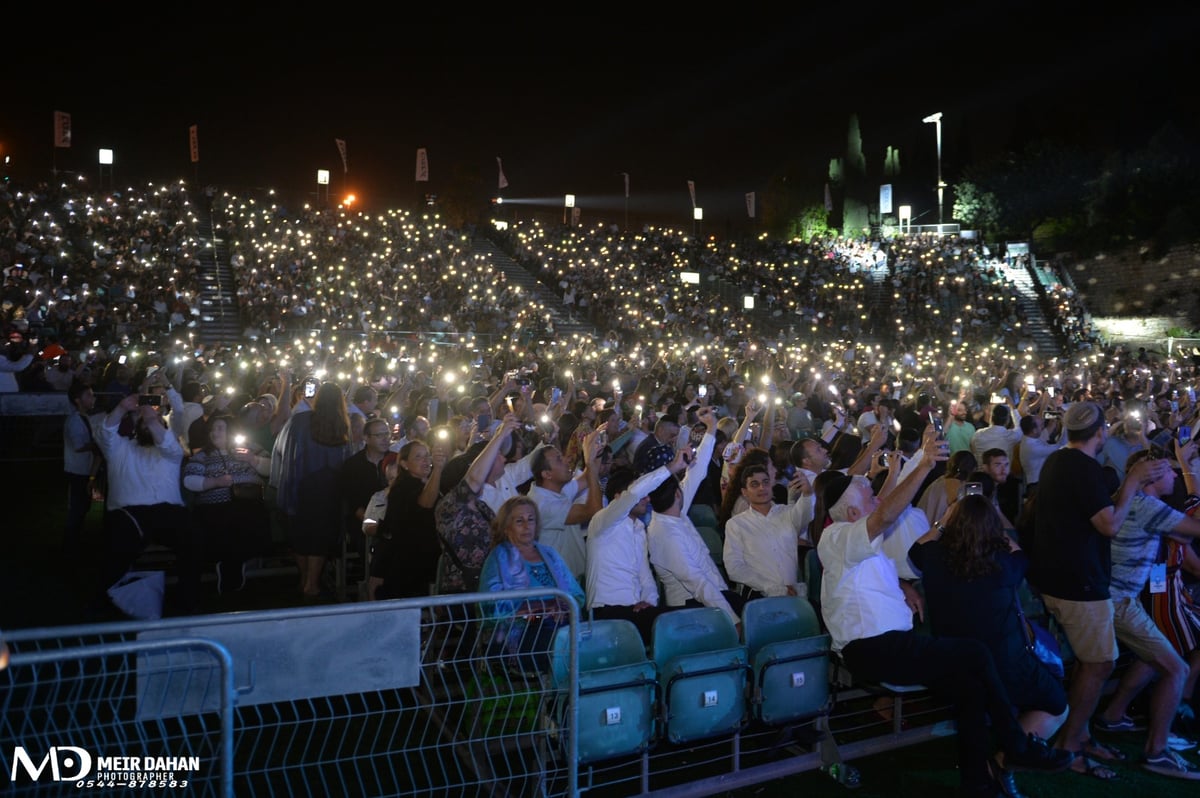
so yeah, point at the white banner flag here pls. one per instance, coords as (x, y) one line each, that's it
(62, 129)
(503, 179)
(422, 166)
(885, 198)
(750, 204)
(194, 142)
(341, 145)
(692, 191)
(626, 184)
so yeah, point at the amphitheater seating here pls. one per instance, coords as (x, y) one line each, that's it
(617, 689)
(789, 657)
(702, 673)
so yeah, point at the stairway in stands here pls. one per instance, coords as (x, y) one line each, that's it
(219, 317)
(878, 304)
(1038, 330)
(564, 325)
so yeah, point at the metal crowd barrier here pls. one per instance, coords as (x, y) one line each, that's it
(401, 697)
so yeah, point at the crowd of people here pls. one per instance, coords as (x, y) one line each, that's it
(397, 406)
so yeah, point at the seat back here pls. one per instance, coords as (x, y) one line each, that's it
(617, 689)
(777, 619)
(703, 515)
(702, 673)
(812, 578)
(716, 546)
(789, 656)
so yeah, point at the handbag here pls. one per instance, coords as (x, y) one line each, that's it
(1041, 642)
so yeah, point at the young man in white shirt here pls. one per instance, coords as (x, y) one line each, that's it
(679, 555)
(762, 543)
(620, 583)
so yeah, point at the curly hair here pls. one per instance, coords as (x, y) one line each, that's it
(973, 537)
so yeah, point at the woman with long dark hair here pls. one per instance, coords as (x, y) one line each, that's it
(308, 457)
(972, 570)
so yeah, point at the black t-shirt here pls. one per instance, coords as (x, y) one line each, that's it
(1071, 559)
(359, 479)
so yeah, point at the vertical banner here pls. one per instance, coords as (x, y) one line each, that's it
(341, 145)
(422, 166)
(62, 129)
(750, 204)
(692, 191)
(194, 143)
(828, 199)
(626, 184)
(503, 179)
(885, 198)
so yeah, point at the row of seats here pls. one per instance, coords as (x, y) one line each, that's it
(698, 680)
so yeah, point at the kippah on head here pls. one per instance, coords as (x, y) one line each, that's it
(658, 455)
(1082, 415)
(834, 490)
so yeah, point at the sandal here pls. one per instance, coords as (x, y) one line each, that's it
(1097, 770)
(1098, 750)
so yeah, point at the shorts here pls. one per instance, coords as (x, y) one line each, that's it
(1088, 626)
(1140, 634)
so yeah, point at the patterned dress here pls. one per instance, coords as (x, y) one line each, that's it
(1175, 611)
(463, 523)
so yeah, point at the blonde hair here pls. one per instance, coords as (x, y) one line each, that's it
(504, 516)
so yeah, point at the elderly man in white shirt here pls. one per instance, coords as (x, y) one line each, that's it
(869, 613)
(762, 543)
(620, 583)
(679, 555)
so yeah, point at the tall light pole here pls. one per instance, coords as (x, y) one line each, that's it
(936, 119)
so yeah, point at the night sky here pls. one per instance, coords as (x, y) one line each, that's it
(571, 102)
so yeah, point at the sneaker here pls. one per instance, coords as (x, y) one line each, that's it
(1169, 763)
(1125, 724)
(1038, 755)
(1177, 743)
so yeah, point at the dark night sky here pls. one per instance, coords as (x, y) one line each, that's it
(570, 103)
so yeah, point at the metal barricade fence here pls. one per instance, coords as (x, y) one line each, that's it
(122, 717)
(402, 697)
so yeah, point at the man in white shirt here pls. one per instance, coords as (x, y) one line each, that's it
(998, 434)
(80, 461)
(1034, 449)
(762, 543)
(869, 613)
(620, 583)
(504, 478)
(554, 490)
(145, 503)
(679, 555)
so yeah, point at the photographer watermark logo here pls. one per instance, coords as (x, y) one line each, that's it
(71, 764)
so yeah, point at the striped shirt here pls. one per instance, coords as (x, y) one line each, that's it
(1137, 544)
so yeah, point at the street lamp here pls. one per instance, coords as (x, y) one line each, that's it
(697, 218)
(106, 159)
(936, 119)
(568, 204)
(322, 180)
